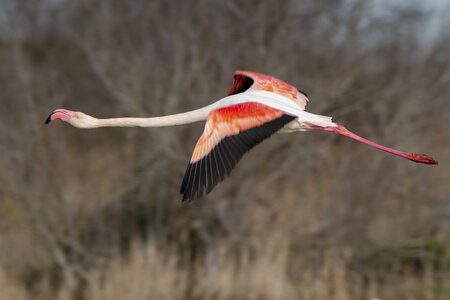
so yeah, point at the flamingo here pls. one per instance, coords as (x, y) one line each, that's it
(256, 107)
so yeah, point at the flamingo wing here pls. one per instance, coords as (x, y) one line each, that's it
(229, 133)
(248, 80)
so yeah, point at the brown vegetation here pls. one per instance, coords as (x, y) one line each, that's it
(95, 214)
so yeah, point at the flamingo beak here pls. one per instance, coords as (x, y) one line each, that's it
(62, 114)
(49, 118)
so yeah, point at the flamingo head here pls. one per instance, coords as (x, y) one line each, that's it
(74, 118)
(61, 114)
(248, 80)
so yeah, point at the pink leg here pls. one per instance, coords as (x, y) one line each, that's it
(419, 158)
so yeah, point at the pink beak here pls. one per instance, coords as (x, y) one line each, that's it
(62, 114)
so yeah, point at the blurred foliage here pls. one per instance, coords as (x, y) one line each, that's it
(95, 214)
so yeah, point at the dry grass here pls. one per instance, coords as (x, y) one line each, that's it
(149, 272)
(95, 214)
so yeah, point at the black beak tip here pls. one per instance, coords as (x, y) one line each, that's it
(48, 120)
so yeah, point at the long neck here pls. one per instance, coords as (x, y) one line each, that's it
(177, 119)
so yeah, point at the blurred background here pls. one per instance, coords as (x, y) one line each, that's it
(96, 214)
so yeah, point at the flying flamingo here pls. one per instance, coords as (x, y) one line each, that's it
(256, 107)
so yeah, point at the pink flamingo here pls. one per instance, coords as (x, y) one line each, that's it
(257, 106)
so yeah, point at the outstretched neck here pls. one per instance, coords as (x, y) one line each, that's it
(86, 121)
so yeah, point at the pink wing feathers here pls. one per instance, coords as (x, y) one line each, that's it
(229, 133)
(247, 80)
(232, 131)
